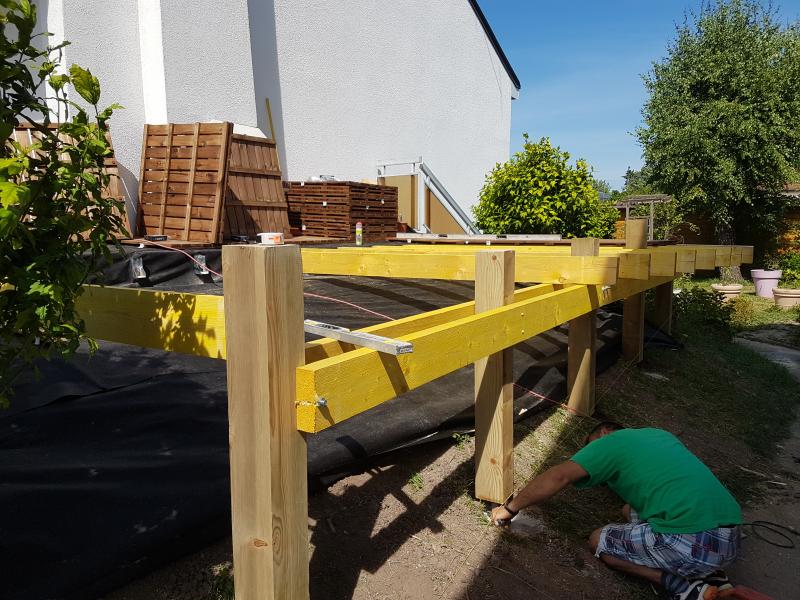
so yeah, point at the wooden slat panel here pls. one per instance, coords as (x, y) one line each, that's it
(188, 129)
(179, 223)
(190, 187)
(184, 167)
(184, 140)
(222, 182)
(181, 152)
(175, 187)
(158, 164)
(254, 200)
(164, 185)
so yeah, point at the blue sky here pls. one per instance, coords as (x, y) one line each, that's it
(580, 64)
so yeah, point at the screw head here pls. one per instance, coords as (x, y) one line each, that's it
(321, 403)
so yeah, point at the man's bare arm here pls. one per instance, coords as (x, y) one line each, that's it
(544, 486)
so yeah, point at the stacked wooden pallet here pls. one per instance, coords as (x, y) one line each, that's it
(201, 183)
(332, 209)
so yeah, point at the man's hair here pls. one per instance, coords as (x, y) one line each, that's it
(611, 425)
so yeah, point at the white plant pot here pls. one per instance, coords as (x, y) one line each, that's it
(728, 291)
(786, 298)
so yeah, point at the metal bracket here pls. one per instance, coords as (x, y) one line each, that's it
(358, 338)
(200, 265)
(137, 268)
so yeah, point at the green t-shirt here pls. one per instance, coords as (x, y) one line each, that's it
(662, 481)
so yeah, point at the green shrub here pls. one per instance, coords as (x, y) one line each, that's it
(697, 309)
(56, 217)
(743, 313)
(790, 265)
(539, 191)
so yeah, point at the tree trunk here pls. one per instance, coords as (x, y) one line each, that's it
(727, 236)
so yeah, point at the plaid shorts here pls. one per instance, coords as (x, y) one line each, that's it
(689, 555)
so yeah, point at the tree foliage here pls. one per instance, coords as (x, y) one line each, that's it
(722, 124)
(539, 191)
(56, 218)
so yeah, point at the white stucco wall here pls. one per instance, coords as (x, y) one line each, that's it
(207, 61)
(363, 81)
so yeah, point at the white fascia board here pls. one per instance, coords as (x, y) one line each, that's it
(151, 50)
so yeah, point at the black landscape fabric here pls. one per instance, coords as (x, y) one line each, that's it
(113, 465)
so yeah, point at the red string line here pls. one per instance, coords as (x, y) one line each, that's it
(366, 310)
(388, 318)
(308, 294)
(192, 258)
(556, 402)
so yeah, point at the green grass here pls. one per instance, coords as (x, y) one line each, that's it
(416, 482)
(762, 311)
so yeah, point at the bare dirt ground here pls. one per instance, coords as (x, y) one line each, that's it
(408, 529)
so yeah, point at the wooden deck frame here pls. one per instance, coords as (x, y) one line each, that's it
(494, 381)
(633, 305)
(274, 397)
(581, 348)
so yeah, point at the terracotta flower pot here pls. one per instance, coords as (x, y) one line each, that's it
(729, 291)
(765, 281)
(786, 298)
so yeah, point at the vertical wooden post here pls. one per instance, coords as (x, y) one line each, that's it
(633, 306)
(269, 495)
(582, 341)
(494, 380)
(662, 312)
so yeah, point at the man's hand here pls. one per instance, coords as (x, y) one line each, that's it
(501, 516)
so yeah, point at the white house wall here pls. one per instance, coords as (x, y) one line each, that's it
(363, 81)
(350, 83)
(207, 61)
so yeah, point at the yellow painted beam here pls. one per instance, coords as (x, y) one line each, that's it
(634, 265)
(354, 382)
(662, 264)
(587, 270)
(685, 261)
(186, 323)
(324, 348)
(722, 256)
(706, 258)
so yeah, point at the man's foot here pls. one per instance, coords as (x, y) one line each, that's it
(720, 580)
(698, 590)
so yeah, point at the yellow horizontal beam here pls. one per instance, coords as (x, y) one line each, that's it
(186, 323)
(587, 270)
(325, 348)
(354, 382)
(166, 320)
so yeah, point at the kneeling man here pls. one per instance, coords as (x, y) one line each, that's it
(683, 525)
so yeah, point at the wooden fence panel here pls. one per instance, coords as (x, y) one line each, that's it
(254, 200)
(183, 169)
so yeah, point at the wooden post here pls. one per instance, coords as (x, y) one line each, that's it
(662, 313)
(582, 341)
(494, 380)
(633, 306)
(269, 495)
